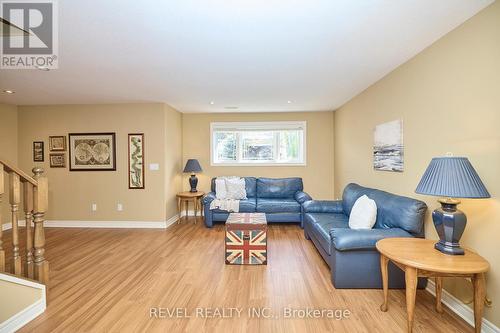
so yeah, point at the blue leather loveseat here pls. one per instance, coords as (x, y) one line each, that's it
(279, 198)
(351, 254)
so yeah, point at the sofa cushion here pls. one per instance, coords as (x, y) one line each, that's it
(393, 211)
(246, 206)
(278, 187)
(250, 186)
(268, 205)
(362, 239)
(321, 224)
(363, 213)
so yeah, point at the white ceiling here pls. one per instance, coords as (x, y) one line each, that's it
(253, 54)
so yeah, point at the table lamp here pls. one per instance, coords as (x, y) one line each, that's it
(450, 178)
(192, 166)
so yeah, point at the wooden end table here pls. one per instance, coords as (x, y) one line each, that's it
(185, 198)
(418, 258)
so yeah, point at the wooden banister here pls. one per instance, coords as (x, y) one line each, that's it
(35, 203)
(9, 167)
(2, 252)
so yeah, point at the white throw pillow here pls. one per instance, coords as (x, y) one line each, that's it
(236, 189)
(220, 188)
(363, 213)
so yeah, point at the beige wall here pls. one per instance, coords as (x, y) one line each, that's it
(449, 99)
(173, 158)
(72, 193)
(8, 150)
(317, 175)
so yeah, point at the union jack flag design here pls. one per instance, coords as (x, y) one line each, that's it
(246, 240)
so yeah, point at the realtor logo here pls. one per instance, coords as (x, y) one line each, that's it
(29, 36)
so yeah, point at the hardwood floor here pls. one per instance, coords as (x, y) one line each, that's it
(107, 280)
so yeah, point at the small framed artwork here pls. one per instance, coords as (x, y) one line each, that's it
(38, 151)
(136, 161)
(92, 152)
(57, 143)
(57, 160)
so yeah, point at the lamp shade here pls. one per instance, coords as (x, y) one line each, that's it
(452, 177)
(192, 165)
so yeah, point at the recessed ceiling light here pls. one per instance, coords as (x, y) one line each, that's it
(43, 68)
(289, 102)
(9, 91)
(212, 102)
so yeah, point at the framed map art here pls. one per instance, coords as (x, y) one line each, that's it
(136, 161)
(92, 152)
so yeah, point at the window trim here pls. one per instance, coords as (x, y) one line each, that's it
(258, 125)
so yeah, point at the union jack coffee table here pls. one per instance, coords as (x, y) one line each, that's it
(246, 239)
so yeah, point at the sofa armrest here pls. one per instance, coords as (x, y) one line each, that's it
(345, 239)
(323, 206)
(208, 198)
(302, 197)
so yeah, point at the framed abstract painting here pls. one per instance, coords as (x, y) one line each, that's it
(136, 161)
(388, 149)
(92, 152)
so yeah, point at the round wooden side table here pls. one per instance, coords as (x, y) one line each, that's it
(185, 198)
(418, 258)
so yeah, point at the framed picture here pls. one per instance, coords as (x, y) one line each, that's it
(57, 143)
(388, 149)
(38, 151)
(57, 160)
(136, 161)
(92, 152)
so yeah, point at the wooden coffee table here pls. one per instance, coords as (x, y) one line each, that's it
(418, 258)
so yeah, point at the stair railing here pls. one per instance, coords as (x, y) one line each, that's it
(34, 190)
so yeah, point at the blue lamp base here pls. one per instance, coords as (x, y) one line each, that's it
(450, 224)
(193, 182)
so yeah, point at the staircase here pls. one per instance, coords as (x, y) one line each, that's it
(22, 298)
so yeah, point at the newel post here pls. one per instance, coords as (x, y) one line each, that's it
(40, 203)
(2, 252)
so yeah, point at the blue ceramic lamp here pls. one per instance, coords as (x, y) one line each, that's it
(192, 167)
(451, 178)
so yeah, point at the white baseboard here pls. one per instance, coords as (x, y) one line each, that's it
(102, 224)
(190, 213)
(28, 314)
(462, 310)
(171, 221)
(8, 226)
(105, 224)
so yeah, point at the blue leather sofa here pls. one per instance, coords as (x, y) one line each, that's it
(280, 198)
(351, 254)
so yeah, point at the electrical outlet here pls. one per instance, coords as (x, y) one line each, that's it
(94, 207)
(154, 167)
(119, 207)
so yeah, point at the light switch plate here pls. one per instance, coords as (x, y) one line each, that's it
(119, 207)
(154, 167)
(94, 207)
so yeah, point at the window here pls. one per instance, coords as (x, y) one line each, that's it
(259, 143)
